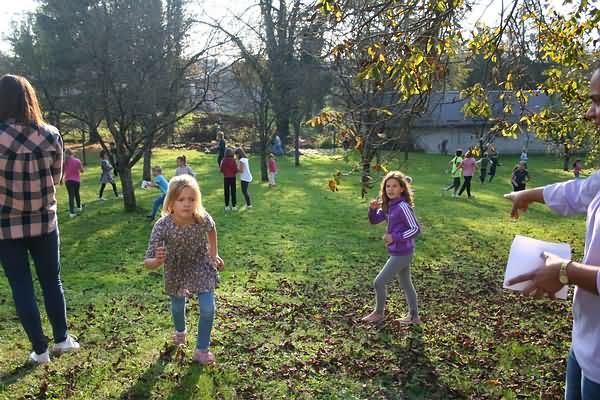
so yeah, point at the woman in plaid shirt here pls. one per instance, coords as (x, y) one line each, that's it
(31, 155)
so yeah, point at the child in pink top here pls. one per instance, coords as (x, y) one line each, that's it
(72, 170)
(272, 169)
(468, 166)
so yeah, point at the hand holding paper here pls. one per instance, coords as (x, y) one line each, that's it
(540, 261)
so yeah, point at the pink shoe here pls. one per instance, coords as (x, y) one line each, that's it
(203, 357)
(179, 338)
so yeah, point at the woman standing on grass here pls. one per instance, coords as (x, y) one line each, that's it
(31, 157)
(577, 196)
(468, 166)
(395, 205)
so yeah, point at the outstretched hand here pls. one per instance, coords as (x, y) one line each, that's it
(520, 203)
(544, 280)
(375, 204)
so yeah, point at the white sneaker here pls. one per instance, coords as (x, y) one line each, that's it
(72, 215)
(101, 198)
(250, 206)
(234, 208)
(65, 346)
(79, 209)
(43, 358)
(227, 208)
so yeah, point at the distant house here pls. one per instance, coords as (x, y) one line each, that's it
(444, 120)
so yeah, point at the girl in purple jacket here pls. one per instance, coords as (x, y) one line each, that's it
(395, 206)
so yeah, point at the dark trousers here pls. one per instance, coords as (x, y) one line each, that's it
(466, 185)
(219, 159)
(518, 187)
(455, 184)
(245, 192)
(73, 190)
(114, 186)
(483, 175)
(14, 256)
(229, 186)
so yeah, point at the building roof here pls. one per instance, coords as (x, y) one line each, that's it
(444, 109)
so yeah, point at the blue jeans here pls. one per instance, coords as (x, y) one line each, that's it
(578, 386)
(158, 202)
(206, 303)
(14, 257)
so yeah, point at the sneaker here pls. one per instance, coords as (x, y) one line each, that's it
(120, 196)
(227, 208)
(72, 215)
(409, 320)
(250, 206)
(203, 357)
(79, 209)
(69, 344)
(101, 199)
(234, 208)
(43, 358)
(179, 338)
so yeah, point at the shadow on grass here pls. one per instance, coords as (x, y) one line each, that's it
(142, 388)
(187, 383)
(417, 375)
(10, 377)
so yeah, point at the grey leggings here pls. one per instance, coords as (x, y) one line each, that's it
(396, 266)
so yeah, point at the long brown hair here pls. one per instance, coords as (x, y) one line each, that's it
(404, 182)
(18, 101)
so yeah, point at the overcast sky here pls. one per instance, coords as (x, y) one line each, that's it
(485, 10)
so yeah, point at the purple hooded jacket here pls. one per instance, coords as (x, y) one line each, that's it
(401, 224)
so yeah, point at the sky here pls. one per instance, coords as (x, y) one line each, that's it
(487, 11)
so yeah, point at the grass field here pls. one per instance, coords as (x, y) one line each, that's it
(299, 270)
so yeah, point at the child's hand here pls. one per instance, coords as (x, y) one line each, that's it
(375, 204)
(219, 263)
(161, 255)
(388, 239)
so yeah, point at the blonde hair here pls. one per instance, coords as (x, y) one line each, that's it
(176, 186)
(404, 182)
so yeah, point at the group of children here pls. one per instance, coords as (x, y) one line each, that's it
(72, 170)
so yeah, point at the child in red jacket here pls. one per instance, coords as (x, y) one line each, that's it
(229, 170)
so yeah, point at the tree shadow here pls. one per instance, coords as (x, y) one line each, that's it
(187, 382)
(420, 379)
(10, 377)
(142, 389)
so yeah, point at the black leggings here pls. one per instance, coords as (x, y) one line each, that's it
(73, 190)
(466, 185)
(245, 192)
(229, 186)
(102, 186)
(483, 175)
(455, 184)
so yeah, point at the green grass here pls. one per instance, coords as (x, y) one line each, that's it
(299, 269)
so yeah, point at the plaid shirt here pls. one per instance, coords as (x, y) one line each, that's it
(30, 166)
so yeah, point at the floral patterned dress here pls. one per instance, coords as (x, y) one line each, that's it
(189, 269)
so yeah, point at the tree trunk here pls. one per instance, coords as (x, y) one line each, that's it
(94, 135)
(297, 142)
(147, 170)
(127, 188)
(283, 126)
(83, 155)
(566, 159)
(264, 176)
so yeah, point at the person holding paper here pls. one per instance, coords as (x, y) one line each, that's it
(567, 198)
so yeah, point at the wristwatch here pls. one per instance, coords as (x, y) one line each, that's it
(562, 275)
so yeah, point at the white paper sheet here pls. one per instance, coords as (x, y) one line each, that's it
(525, 256)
